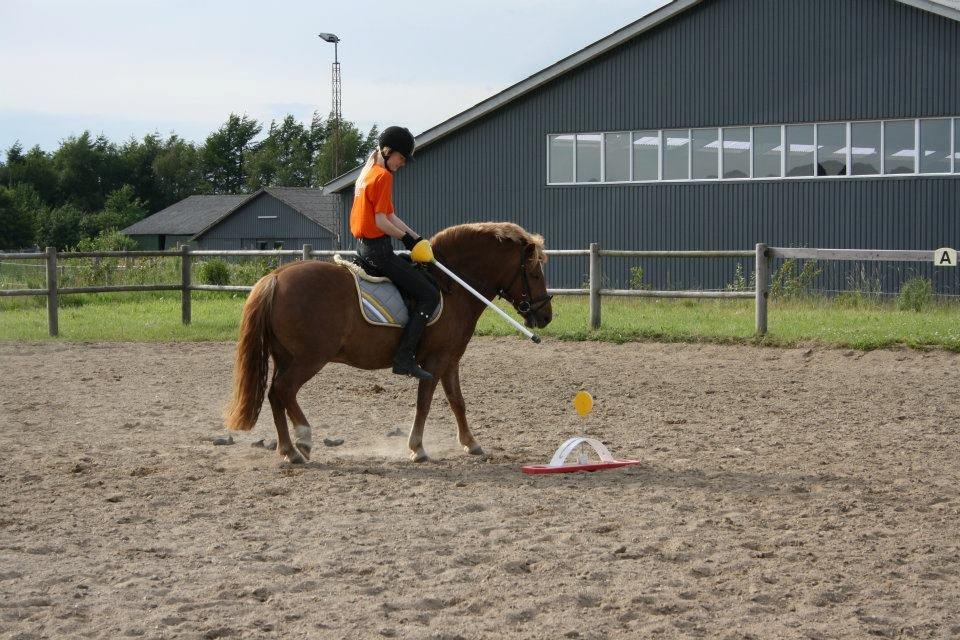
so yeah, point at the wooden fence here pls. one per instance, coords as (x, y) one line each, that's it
(762, 256)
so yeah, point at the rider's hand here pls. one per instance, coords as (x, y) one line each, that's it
(409, 242)
(422, 251)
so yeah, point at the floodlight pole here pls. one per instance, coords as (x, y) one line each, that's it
(335, 110)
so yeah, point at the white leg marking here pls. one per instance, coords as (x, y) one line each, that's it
(303, 435)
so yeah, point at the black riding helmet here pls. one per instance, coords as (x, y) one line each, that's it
(398, 139)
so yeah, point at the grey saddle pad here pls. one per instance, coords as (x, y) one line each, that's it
(380, 301)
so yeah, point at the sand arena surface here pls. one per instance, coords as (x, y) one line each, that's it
(784, 494)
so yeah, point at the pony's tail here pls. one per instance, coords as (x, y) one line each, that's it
(253, 352)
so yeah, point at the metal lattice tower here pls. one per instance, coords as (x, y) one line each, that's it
(337, 115)
(335, 112)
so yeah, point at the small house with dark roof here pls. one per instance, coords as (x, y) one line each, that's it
(271, 218)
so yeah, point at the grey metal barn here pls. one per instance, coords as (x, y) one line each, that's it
(717, 124)
(271, 218)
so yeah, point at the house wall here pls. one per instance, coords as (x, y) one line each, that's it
(266, 219)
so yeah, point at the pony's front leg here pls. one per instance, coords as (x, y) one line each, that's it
(451, 386)
(424, 399)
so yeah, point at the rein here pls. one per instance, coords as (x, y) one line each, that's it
(528, 304)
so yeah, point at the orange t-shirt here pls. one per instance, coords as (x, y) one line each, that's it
(375, 196)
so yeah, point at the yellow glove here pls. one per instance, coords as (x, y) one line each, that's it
(422, 251)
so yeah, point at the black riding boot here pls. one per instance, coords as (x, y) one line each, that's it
(405, 359)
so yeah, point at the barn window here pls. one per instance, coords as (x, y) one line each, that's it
(676, 154)
(705, 147)
(935, 146)
(616, 157)
(831, 149)
(736, 152)
(767, 147)
(922, 146)
(561, 158)
(899, 146)
(865, 148)
(800, 150)
(956, 145)
(646, 155)
(589, 157)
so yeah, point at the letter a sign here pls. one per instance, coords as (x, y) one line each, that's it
(945, 257)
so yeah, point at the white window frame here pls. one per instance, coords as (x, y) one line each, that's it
(663, 151)
(816, 150)
(719, 131)
(954, 166)
(916, 146)
(848, 175)
(603, 157)
(920, 146)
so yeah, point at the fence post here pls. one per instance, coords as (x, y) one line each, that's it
(185, 276)
(595, 285)
(762, 278)
(52, 317)
(307, 248)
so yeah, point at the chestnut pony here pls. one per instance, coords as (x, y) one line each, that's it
(306, 314)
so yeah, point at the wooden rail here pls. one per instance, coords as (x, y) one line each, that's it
(762, 255)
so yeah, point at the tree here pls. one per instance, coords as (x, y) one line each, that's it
(14, 158)
(284, 158)
(35, 168)
(121, 209)
(61, 227)
(88, 170)
(16, 226)
(354, 149)
(224, 151)
(178, 171)
(137, 160)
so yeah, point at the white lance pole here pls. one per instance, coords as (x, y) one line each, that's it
(522, 329)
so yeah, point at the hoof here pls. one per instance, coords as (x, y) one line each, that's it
(304, 448)
(474, 449)
(295, 457)
(419, 456)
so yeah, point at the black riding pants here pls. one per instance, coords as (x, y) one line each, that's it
(407, 278)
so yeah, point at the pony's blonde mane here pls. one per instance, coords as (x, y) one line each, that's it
(500, 230)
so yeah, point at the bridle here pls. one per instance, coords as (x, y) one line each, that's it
(527, 304)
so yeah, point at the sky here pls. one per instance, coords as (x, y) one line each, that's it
(131, 67)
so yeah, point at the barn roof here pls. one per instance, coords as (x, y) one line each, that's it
(946, 8)
(196, 215)
(186, 217)
(312, 203)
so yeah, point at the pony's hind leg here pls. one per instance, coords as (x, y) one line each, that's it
(293, 379)
(284, 446)
(451, 386)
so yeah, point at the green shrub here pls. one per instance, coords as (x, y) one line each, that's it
(741, 283)
(636, 279)
(216, 272)
(856, 300)
(787, 282)
(915, 294)
(108, 240)
(249, 271)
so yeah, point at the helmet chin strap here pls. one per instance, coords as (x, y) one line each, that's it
(386, 165)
